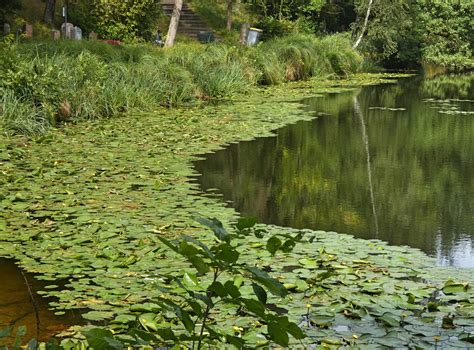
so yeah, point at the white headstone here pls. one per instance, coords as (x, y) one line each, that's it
(77, 33)
(6, 29)
(67, 31)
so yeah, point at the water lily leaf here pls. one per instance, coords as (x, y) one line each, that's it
(391, 341)
(148, 321)
(145, 307)
(124, 319)
(308, 263)
(97, 315)
(390, 319)
(451, 287)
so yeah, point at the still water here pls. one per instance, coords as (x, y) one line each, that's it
(20, 305)
(393, 162)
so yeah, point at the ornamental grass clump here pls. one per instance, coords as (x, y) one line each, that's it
(49, 83)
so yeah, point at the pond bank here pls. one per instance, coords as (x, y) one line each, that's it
(88, 201)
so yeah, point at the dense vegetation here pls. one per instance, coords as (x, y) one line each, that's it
(42, 84)
(100, 228)
(76, 204)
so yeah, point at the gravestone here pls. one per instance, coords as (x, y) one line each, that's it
(28, 30)
(67, 31)
(6, 29)
(55, 34)
(77, 33)
(92, 36)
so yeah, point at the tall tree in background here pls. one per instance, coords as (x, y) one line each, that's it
(8, 7)
(173, 28)
(49, 10)
(229, 15)
(364, 26)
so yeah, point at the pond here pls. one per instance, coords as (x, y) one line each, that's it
(393, 162)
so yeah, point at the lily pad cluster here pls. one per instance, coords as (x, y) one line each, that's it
(89, 203)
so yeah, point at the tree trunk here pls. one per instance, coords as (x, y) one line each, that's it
(178, 4)
(49, 10)
(364, 27)
(229, 15)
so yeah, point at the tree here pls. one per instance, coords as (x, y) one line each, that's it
(49, 9)
(229, 15)
(364, 27)
(8, 6)
(173, 28)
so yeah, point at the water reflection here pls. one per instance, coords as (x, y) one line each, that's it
(316, 174)
(17, 307)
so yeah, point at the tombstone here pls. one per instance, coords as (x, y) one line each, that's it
(92, 36)
(73, 33)
(6, 29)
(55, 34)
(28, 30)
(67, 31)
(77, 33)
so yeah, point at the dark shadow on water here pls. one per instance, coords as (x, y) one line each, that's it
(18, 309)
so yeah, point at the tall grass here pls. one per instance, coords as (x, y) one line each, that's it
(95, 80)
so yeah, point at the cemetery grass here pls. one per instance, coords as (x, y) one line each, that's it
(45, 84)
(88, 203)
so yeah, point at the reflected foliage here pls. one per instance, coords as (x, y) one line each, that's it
(314, 174)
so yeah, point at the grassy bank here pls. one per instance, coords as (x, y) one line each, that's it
(121, 183)
(43, 84)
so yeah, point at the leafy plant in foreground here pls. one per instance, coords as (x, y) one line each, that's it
(222, 281)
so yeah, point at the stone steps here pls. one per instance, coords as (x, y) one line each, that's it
(190, 24)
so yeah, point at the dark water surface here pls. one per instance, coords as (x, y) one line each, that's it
(16, 306)
(404, 175)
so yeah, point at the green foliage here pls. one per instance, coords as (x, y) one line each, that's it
(8, 7)
(98, 228)
(219, 282)
(125, 20)
(416, 31)
(100, 80)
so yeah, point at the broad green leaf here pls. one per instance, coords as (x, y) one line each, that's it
(273, 244)
(245, 223)
(274, 286)
(102, 339)
(217, 227)
(218, 288)
(260, 293)
(278, 334)
(199, 264)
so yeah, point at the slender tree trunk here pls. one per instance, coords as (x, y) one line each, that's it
(364, 27)
(178, 4)
(229, 15)
(49, 10)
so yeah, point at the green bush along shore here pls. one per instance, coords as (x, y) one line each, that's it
(42, 84)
